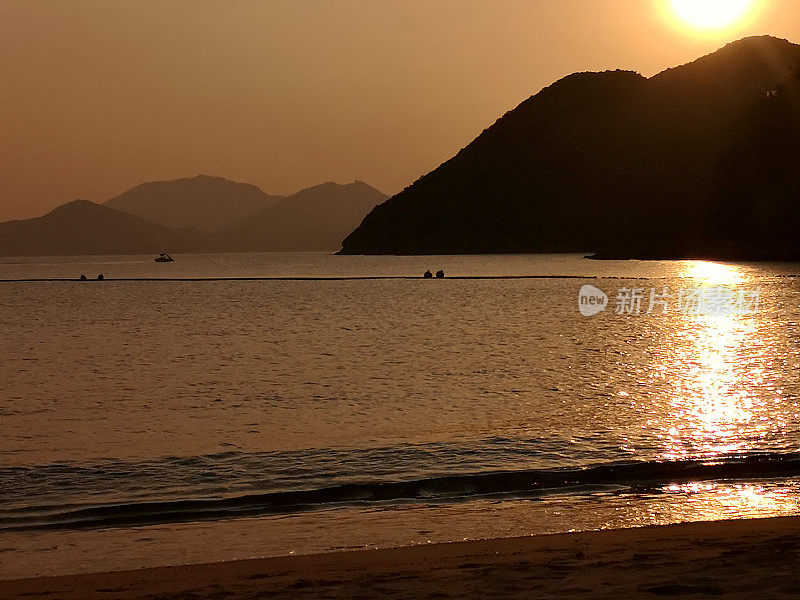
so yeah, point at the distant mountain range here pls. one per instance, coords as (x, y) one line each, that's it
(204, 202)
(83, 227)
(701, 160)
(201, 214)
(316, 218)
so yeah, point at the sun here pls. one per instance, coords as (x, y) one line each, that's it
(712, 14)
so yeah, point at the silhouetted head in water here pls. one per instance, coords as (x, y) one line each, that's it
(440, 274)
(82, 277)
(428, 275)
(100, 277)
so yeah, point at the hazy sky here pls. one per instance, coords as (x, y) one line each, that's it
(100, 95)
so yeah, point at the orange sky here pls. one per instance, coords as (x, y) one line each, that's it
(97, 96)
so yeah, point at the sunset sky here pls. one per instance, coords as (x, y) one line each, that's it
(100, 95)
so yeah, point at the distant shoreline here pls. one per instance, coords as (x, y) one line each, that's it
(354, 278)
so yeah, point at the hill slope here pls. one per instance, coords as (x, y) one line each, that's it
(83, 227)
(203, 202)
(610, 161)
(317, 218)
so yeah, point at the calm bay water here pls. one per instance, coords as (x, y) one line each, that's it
(157, 422)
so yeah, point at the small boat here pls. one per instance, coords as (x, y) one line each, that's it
(164, 258)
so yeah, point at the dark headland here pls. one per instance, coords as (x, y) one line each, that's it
(699, 161)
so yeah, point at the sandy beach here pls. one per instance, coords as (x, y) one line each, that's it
(734, 559)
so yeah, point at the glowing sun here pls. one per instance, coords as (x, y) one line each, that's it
(712, 14)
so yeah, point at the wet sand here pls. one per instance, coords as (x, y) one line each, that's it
(735, 559)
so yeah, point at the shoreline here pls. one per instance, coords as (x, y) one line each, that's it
(364, 278)
(737, 558)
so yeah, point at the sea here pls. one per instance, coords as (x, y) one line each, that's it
(232, 406)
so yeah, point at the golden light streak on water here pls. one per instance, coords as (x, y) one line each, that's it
(716, 364)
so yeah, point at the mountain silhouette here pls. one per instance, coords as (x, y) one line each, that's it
(618, 164)
(316, 218)
(204, 202)
(221, 216)
(83, 227)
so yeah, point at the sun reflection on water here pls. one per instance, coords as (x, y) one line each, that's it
(713, 501)
(713, 273)
(715, 367)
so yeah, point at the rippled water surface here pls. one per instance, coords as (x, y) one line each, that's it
(142, 415)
